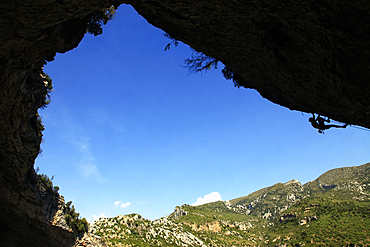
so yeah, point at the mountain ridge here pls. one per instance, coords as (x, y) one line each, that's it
(332, 209)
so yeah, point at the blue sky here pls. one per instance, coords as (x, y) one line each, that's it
(129, 131)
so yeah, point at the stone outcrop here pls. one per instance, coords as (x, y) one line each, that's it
(307, 219)
(122, 229)
(208, 224)
(89, 239)
(287, 216)
(179, 212)
(33, 217)
(30, 31)
(311, 56)
(54, 209)
(207, 227)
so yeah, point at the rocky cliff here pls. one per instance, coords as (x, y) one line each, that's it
(30, 32)
(311, 56)
(331, 210)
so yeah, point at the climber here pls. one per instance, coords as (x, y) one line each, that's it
(319, 123)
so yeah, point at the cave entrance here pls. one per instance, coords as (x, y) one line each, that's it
(129, 131)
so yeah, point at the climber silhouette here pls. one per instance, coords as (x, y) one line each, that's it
(319, 123)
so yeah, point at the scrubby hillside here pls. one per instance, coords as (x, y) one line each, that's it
(333, 210)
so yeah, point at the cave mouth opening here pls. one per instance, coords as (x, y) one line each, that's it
(128, 130)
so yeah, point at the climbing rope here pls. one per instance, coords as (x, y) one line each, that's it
(356, 127)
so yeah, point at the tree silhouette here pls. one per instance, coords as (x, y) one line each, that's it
(99, 18)
(199, 62)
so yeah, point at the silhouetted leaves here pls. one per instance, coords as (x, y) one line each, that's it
(73, 220)
(99, 18)
(43, 181)
(174, 42)
(199, 62)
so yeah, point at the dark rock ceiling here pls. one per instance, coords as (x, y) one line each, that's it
(310, 56)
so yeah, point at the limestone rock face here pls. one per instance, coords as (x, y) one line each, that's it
(89, 239)
(207, 227)
(179, 212)
(30, 31)
(284, 217)
(307, 219)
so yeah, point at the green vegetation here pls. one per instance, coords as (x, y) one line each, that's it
(212, 211)
(94, 23)
(73, 220)
(48, 82)
(40, 127)
(71, 216)
(340, 222)
(333, 210)
(44, 102)
(99, 18)
(130, 229)
(43, 181)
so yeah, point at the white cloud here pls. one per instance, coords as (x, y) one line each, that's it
(125, 204)
(74, 134)
(212, 197)
(87, 164)
(104, 117)
(102, 215)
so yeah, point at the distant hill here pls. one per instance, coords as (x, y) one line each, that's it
(333, 210)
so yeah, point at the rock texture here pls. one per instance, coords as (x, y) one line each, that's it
(89, 239)
(325, 213)
(30, 31)
(208, 227)
(179, 212)
(311, 56)
(31, 217)
(122, 229)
